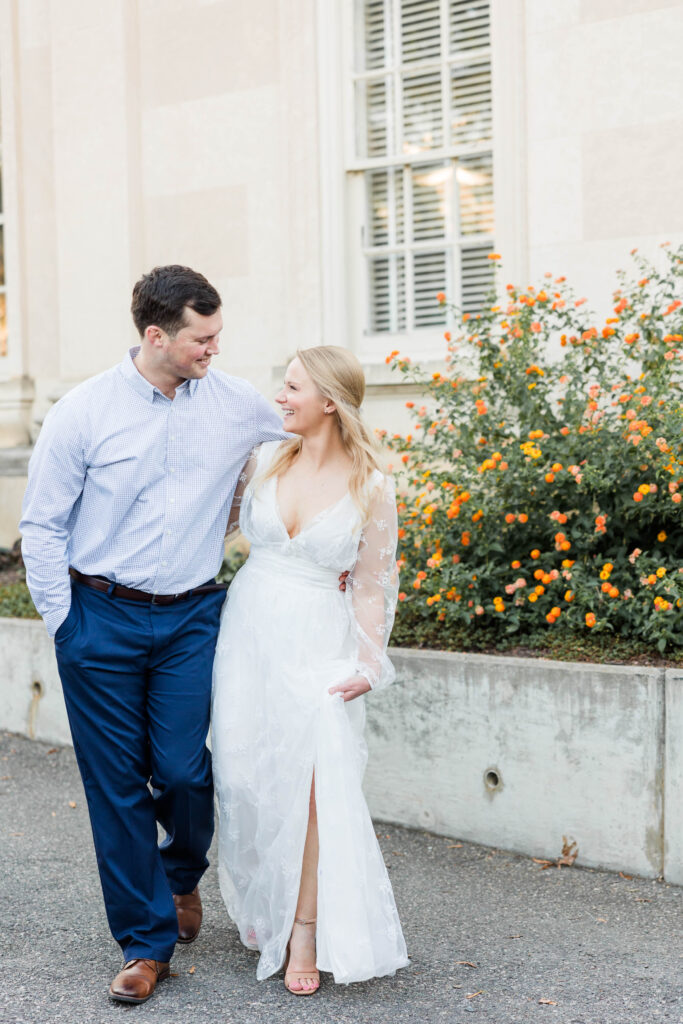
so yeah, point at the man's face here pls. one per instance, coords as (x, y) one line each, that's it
(188, 354)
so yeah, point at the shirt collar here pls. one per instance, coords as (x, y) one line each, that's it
(141, 384)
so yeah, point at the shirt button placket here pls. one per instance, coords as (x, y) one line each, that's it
(167, 532)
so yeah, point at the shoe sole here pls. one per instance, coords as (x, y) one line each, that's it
(129, 999)
(186, 942)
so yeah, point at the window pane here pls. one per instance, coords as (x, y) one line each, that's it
(432, 189)
(422, 112)
(374, 104)
(385, 193)
(387, 294)
(470, 25)
(2, 256)
(373, 40)
(430, 275)
(476, 271)
(471, 119)
(420, 30)
(475, 185)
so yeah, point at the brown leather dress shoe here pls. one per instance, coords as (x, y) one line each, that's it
(138, 980)
(189, 911)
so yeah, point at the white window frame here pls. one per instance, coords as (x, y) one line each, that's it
(427, 340)
(342, 191)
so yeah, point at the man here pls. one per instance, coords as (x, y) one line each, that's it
(129, 490)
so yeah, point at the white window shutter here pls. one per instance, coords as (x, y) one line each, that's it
(420, 30)
(470, 27)
(475, 187)
(430, 274)
(432, 186)
(384, 190)
(471, 113)
(387, 294)
(422, 112)
(476, 273)
(374, 39)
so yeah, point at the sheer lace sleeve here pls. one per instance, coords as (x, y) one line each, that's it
(372, 587)
(246, 475)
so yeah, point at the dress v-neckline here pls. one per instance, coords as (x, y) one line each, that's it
(323, 512)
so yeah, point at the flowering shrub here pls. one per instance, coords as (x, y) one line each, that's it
(541, 484)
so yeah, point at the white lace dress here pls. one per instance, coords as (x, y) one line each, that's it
(287, 634)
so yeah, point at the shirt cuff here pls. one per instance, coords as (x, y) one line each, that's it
(54, 619)
(363, 670)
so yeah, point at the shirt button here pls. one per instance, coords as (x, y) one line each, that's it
(171, 500)
(164, 563)
(171, 470)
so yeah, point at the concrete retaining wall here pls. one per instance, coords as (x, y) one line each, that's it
(509, 752)
(517, 753)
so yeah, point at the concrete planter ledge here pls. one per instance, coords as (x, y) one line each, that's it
(508, 752)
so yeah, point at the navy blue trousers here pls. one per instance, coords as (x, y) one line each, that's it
(137, 687)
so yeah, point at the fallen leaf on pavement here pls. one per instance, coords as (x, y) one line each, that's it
(548, 1002)
(72, 804)
(16, 833)
(192, 970)
(473, 994)
(622, 875)
(601, 920)
(52, 750)
(5, 778)
(466, 963)
(455, 846)
(513, 936)
(570, 852)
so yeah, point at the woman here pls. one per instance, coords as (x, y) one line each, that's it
(300, 868)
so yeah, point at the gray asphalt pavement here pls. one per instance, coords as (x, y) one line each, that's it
(491, 936)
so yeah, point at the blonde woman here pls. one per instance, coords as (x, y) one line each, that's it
(300, 868)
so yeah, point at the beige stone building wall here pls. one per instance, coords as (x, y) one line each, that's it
(208, 132)
(604, 88)
(158, 131)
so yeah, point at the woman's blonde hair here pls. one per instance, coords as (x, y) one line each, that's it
(339, 377)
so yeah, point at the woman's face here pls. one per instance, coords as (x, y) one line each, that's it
(301, 403)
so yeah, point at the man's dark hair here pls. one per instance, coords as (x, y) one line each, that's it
(160, 297)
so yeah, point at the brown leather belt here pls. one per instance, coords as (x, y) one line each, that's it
(116, 590)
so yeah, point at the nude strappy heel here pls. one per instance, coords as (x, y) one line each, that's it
(312, 973)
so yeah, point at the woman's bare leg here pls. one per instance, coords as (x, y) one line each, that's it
(302, 942)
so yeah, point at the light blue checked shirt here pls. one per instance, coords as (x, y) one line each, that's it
(129, 484)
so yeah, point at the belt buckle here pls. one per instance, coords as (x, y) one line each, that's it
(164, 599)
